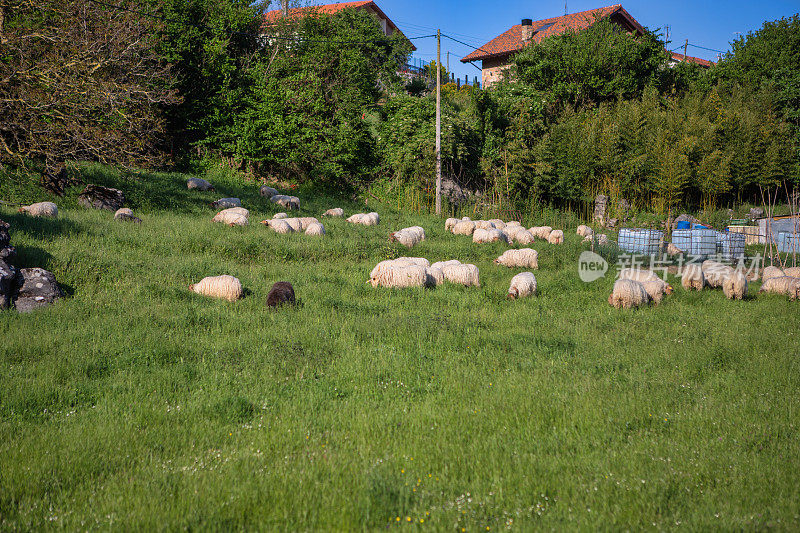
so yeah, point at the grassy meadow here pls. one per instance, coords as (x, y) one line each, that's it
(135, 404)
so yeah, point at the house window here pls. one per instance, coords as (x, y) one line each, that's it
(544, 27)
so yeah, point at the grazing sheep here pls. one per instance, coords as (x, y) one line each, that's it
(225, 203)
(465, 227)
(484, 224)
(465, 218)
(522, 258)
(365, 219)
(523, 284)
(123, 211)
(294, 223)
(279, 226)
(408, 236)
(585, 231)
(716, 272)
(628, 294)
(449, 223)
(224, 287)
(656, 290)
(541, 232)
(400, 277)
(305, 222)
(483, 236)
(556, 237)
(643, 276)
(771, 272)
(125, 214)
(398, 263)
(235, 216)
(513, 223)
(280, 215)
(267, 192)
(281, 293)
(441, 264)
(287, 202)
(793, 272)
(199, 184)
(735, 286)
(782, 285)
(335, 212)
(693, 278)
(466, 275)
(40, 209)
(499, 224)
(511, 231)
(315, 229)
(673, 250)
(435, 276)
(523, 236)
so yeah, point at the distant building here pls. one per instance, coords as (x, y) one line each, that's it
(680, 58)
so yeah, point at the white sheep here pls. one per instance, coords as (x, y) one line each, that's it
(316, 229)
(522, 258)
(484, 224)
(278, 226)
(734, 286)
(435, 276)
(234, 216)
(441, 264)
(523, 284)
(288, 202)
(643, 276)
(408, 236)
(541, 232)
(716, 272)
(628, 294)
(522, 236)
(693, 278)
(673, 250)
(513, 223)
(793, 272)
(224, 287)
(499, 224)
(400, 277)
(399, 262)
(465, 227)
(771, 272)
(585, 231)
(40, 209)
(277, 216)
(602, 239)
(655, 289)
(123, 212)
(782, 285)
(467, 275)
(556, 237)
(365, 219)
(294, 223)
(483, 236)
(199, 184)
(335, 212)
(305, 222)
(449, 223)
(226, 203)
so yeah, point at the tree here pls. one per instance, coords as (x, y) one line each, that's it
(79, 81)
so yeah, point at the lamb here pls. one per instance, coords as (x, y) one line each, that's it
(541, 232)
(782, 285)
(287, 202)
(224, 287)
(235, 216)
(465, 227)
(226, 203)
(643, 276)
(482, 236)
(280, 215)
(734, 286)
(522, 258)
(41, 209)
(450, 223)
(199, 184)
(693, 278)
(335, 212)
(316, 229)
(267, 192)
(408, 236)
(281, 293)
(716, 272)
(466, 275)
(401, 277)
(628, 294)
(556, 237)
(523, 284)
(279, 226)
(585, 231)
(655, 290)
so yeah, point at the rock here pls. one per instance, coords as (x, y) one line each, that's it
(683, 217)
(612, 223)
(453, 191)
(600, 206)
(5, 234)
(99, 197)
(8, 254)
(56, 180)
(624, 206)
(755, 213)
(199, 184)
(8, 284)
(38, 289)
(267, 192)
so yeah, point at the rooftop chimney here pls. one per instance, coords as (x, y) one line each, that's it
(527, 30)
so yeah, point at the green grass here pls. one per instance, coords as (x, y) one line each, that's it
(135, 404)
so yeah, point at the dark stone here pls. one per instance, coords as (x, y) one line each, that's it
(125, 217)
(267, 192)
(600, 206)
(624, 206)
(99, 197)
(281, 293)
(454, 193)
(5, 234)
(57, 180)
(755, 213)
(37, 288)
(8, 254)
(8, 284)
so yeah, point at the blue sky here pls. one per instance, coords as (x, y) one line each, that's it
(712, 24)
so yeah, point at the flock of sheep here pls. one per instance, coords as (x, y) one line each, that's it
(634, 288)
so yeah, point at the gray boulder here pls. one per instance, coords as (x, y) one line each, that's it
(99, 197)
(267, 192)
(7, 251)
(600, 208)
(8, 284)
(454, 193)
(37, 288)
(755, 213)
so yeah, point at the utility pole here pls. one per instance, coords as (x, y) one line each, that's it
(438, 122)
(448, 61)
(685, 47)
(285, 8)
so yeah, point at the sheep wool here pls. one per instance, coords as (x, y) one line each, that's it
(522, 236)
(585, 231)
(466, 275)
(199, 184)
(441, 264)
(223, 287)
(513, 223)
(499, 224)
(716, 272)
(280, 215)
(483, 236)
(602, 239)
(287, 202)
(365, 219)
(335, 212)
(782, 285)
(278, 226)
(771, 272)
(123, 211)
(315, 229)
(735, 286)
(281, 293)
(232, 216)
(226, 203)
(40, 209)
(628, 294)
(673, 250)
(643, 276)
(793, 272)
(655, 290)
(305, 222)
(541, 232)
(449, 223)
(556, 237)
(400, 262)
(465, 227)
(401, 277)
(693, 278)
(294, 223)
(465, 219)
(435, 276)
(484, 224)
(522, 285)
(522, 258)
(408, 236)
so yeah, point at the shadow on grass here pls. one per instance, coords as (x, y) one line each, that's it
(39, 228)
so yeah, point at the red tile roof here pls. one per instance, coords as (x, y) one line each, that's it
(511, 41)
(696, 60)
(329, 9)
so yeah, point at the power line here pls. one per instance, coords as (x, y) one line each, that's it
(466, 44)
(709, 49)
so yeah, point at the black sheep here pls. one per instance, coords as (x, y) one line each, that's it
(281, 293)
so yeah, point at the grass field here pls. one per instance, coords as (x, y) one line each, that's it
(135, 404)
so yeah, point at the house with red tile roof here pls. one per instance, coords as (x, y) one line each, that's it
(388, 27)
(497, 55)
(676, 58)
